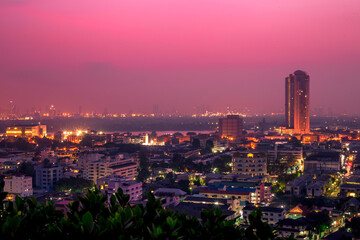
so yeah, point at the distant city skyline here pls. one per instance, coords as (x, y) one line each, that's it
(53, 110)
(179, 55)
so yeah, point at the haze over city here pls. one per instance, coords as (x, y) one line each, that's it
(130, 55)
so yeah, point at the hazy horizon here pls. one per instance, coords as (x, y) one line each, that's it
(129, 55)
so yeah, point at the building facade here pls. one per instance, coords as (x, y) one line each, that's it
(231, 127)
(169, 196)
(249, 163)
(46, 176)
(27, 131)
(325, 161)
(127, 168)
(110, 185)
(297, 100)
(18, 185)
(271, 215)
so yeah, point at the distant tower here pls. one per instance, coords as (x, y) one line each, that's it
(105, 113)
(155, 109)
(146, 139)
(297, 97)
(11, 107)
(52, 111)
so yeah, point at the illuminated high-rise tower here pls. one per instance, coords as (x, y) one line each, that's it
(297, 102)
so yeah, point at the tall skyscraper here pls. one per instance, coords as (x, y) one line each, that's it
(231, 127)
(297, 97)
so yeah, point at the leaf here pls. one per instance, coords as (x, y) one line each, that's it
(137, 211)
(170, 222)
(112, 200)
(87, 220)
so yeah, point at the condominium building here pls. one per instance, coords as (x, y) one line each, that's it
(110, 185)
(127, 168)
(249, 163)
(47, 175)
(19, 185)
(231, 127)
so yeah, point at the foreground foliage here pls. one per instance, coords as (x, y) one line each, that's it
(90, 217)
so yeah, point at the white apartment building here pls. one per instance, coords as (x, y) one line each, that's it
(110, 185)
(18, 185)
(170, 196)
(271, 215)
(126, 168)
(249, 163)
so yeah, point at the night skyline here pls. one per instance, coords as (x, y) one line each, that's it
(179, 119)
(179, 55)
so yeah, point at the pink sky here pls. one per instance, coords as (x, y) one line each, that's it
(180, 54)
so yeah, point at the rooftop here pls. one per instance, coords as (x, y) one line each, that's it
(165, 191)
(324, 156)
(264, 209)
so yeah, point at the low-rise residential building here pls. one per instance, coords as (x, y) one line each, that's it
(297, 187)
(351, 188)
(323, 162)
(271, 215)
(185, 152)
(194, 209)
(232, 204)
(169, 196)
(110, 185)
(299, 228)
(318, 187)
(261, 190)
(10, 165)
(18, 185)
(240, 194)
